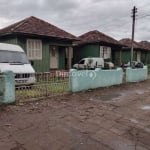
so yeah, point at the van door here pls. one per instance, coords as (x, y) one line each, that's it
(81, 64)
(54, 57)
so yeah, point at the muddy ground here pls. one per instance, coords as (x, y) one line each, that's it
(116, 118)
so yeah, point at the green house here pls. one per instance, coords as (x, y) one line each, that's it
(141, 53)
(97, 44)
(47, 46)
(146, 46)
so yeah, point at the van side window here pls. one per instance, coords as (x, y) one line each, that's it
(81, 62)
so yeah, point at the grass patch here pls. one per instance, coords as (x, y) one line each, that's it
(42, 89)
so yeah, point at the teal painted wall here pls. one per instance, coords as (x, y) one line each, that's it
(91, 50)
(136, 75)
(80, 80)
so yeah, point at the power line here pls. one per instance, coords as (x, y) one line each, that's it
(144, 16)
(111, 23)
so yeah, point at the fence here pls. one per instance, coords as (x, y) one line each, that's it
(51, 84)
(47, 84)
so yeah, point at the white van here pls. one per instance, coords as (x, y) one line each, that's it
(13, 58)
(90, 63)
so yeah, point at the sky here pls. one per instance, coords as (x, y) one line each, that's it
(112, 17)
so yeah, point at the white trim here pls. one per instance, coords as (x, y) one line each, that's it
(34, 49)
(105, 52)
(139, 56)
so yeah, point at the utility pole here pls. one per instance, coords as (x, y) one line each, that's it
(134, 11)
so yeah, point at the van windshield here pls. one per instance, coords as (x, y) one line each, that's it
(81, 61)
(13, 57)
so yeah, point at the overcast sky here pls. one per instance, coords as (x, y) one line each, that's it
(112, 17)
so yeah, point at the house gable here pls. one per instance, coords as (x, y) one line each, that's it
(36, 26)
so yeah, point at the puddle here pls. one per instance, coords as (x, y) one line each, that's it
(140, 92)
(105, 97)
(145, 108)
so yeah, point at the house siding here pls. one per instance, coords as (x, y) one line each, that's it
(38, 65)
(148, 58)
(10, 40)
(91, 50)
(144, 57)
(116, 57)
(62, 58)
(44, 64)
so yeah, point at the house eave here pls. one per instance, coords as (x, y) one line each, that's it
(39, 35)
(100, 42)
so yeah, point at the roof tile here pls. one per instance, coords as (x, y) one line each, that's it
(127, 43)
(33, 25)
(96, 36)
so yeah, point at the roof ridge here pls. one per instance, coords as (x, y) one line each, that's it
(97, 36)
(34, 25)
(97, 31)
(21, 23)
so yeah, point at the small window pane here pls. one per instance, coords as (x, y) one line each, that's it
(34, 49)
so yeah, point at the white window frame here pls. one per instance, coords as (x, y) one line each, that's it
(34, 49)
(105, 52)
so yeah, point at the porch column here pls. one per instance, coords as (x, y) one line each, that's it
(120, 58)
(69, 57)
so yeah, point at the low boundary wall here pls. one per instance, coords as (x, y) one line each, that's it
(80, 80)
(136, 75)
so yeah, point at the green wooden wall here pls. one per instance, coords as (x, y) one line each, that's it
(10, 40)
(38, 65)
(62, 57)
(44, 64)
(116, 57)
(91, 50)
(144, 57)
(148, 57)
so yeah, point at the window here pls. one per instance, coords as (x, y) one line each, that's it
(81, 62)
(105, 52)
(13, 57)
(138, 56)
(53, 51)
(34, 49)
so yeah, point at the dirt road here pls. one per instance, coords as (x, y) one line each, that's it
(116, 118)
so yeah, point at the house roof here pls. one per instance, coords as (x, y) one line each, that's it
(127, 43)
(36, 26)
(96, 36)
(145, 44)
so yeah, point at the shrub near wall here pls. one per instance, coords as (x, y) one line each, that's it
(80, 80)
